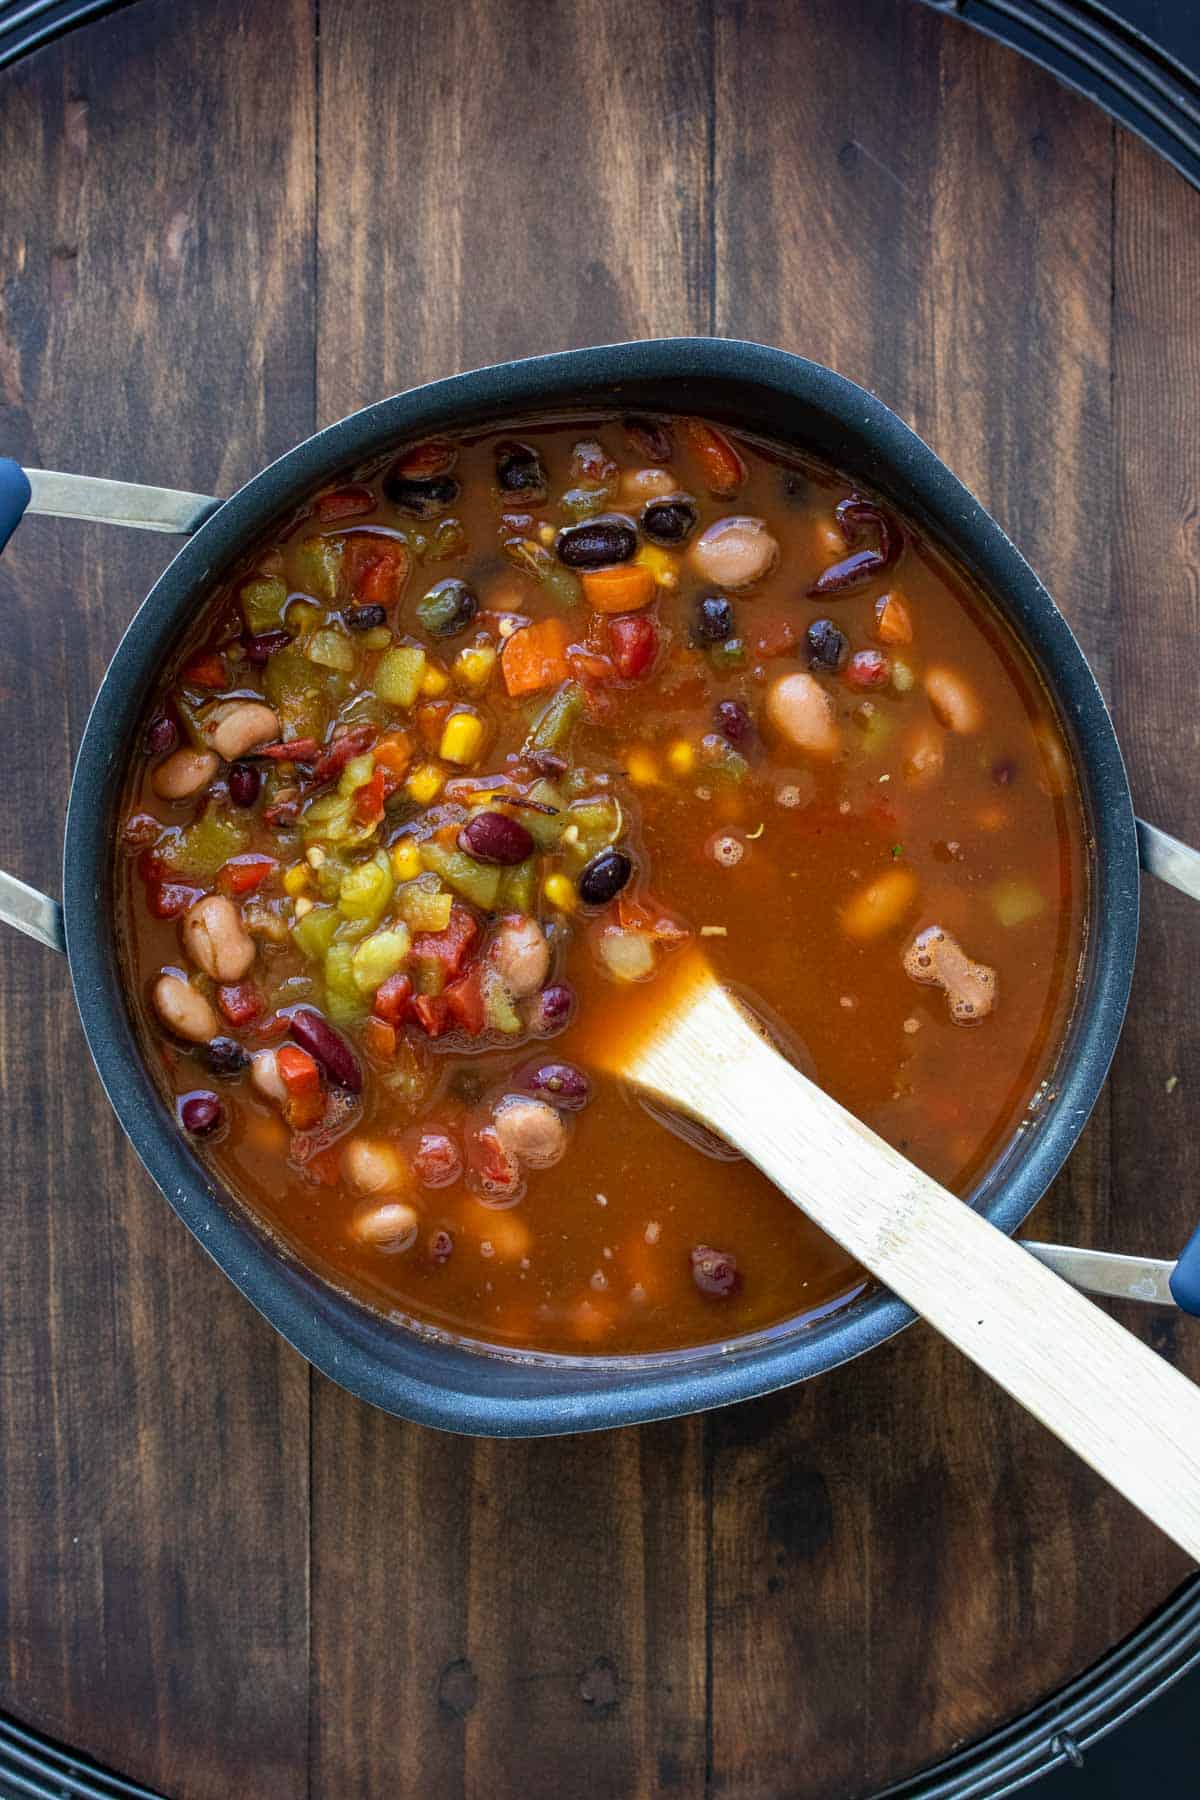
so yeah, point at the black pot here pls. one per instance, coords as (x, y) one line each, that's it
(421, 1374)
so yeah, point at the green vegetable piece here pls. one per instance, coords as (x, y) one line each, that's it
(299, 694)
(902, 675)
(876, 730)
(313, 934)
(598, 821)
(721, 759)
(729, 655)
(499, 1010)
(398, 675)
(407, 1075)
(585, 502)
(357, 773)
(534, 559)
(262, 600)
(319, 565)
(449, 541)
(331, 649)
(379, 956)
(518, 886)
(424, 904)
(475, 881)
(1016, 900)
(329, 877)
(447, 608)
(366, 889)
(343, 1002)
(557, 719)
(204, 845)
(303, 617)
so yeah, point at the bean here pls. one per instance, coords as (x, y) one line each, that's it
(562, 1084)
(801, 711)
(441, 1247)
(365, 618)
(735, 553)
(216, 940)
(184, 1010)
(437, 1162)
(200, 1113)
(374, 1166)
(245, 781)
(714, 1272)
(551, 1009)
(495, 837)
(422, 496)
(828, 648)
(519, 470)
(881, 905)
(259, 649)
(953, 700)
(860, 519)
(924, 755)
(670, 521)
(184, 774)
(265, 1076)
(650, 439)
(868, 669)
(604, 877)
(318, 1037)
(649, 484)
(162, 734)
(733, 721)
(596, 543)
(223, 1056)
(520, 956)
(530, 1130)
(237, 726)
(447, 608)
(714, 619)
(388, 1225)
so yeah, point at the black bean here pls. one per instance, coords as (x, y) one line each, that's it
(200, 1113)
(604, 877)
(828, 648)
(447, 608)
(245, 781)
(467, 1086)
(650, 439)
(714, 1272)
(259, 649)
(562, 1084)
(733, 721)
(714, 619)
(162, 734)
(595, 543)
(365, 618)
(222, 1056)
(422, 496)
(519, 470)
(669, 521)
(495, 837)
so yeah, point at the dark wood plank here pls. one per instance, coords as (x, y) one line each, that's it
(549, 1609)
(155, 323)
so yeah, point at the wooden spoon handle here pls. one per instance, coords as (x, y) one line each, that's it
(1128, 1413)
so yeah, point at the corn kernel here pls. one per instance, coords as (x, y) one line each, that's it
(303, 905)
(424, 784)
(434, 682)
(641, 767)
(681, 757)
(546, 535)
(668, 579)
(560, 892)
(474, 667)
(295, 880)
(659, 562)
(462, 738)
(406, 858)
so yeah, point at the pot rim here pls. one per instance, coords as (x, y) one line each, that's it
(425, 1375)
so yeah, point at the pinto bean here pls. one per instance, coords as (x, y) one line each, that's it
(936, 959)
(735, 553)
(388, 1225)
(265, 1076)
(924, 756)
(801, 711)
(184, 1010)
(649, 484)
(880, 905)
(216, 940)
(530, 1130)
(184, 774)
(374, 1166)
(953, 700)
(520, 955)
(238, 726)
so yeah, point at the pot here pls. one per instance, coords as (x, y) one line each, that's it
(428, 1376)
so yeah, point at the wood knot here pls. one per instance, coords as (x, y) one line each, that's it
(600, 1687)
(457, 1689)
(800, 1515)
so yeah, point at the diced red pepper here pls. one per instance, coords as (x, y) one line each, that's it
(345, 503)
(381, 579)
(431, 1013)
(391, 999)
(634, 640)
(499, 1171)
(241, 1002)
(207, 670)
(302, 1078)
(778, 637)
(342, 750)
(326, 1166)
(450, 947)
(168, 899)
(369, 798)
(868, 669)
(464, 998)
(242, 874)
(300, 750)
(380, 1038)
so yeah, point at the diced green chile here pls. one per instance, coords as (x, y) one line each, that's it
(448, 608)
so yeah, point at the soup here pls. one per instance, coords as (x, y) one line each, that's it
(468, 749)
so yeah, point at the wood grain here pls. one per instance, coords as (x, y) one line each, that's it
(222, 224)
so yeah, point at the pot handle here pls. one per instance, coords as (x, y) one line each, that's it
(108, 502)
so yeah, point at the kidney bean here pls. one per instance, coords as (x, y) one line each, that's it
(494, 837)
(868, 669)
(650, 439)
(259, 649)
(365, 618)
(519, 470)
(318, 1037)
(223, 1056)
(422, 496)
(670, 521)
(597, 542)
(828, 648)
(859, 519)
(714, 1272)
(200, 1113)
(441, 1247)
(562, 1084)
(634, 641)
(244, 783)
(162, 734)
(170, 899)
(550, 1010)
(733, 721)
(604, 877)
(714, 619)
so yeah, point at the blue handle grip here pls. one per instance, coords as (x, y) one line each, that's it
(15, 494)
(1185, 1277)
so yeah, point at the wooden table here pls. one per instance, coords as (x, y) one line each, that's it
(218, 1573)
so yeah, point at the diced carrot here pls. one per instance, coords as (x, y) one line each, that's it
(302, 1078)
(380, 1038)
(344, 503)
(242, 874)
(394, 752)
(205, 670)
(535, 657)
(723, 469)
(626, 588)
(893, 621)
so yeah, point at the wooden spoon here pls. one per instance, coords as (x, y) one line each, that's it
(1128, 1413)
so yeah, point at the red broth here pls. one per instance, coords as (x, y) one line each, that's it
(468, 749)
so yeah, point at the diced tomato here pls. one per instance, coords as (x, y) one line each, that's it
(778, 637)
(241, 1002)
(302, 1078)
(326, 1166)
(369, 798)
(167, 899)
(497, 1169)
(634, 640)
(436, 1161)
(380, 1038)
(342, 750)
(141, 830)
(345, 503)
(391, 999)
(431, 1013)
(647, 914)
(464, 998)
(723, 469)
(242, 874)
(207, 670)
(868, 669)
(449, 947)
(394, 752)
(381, 578)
